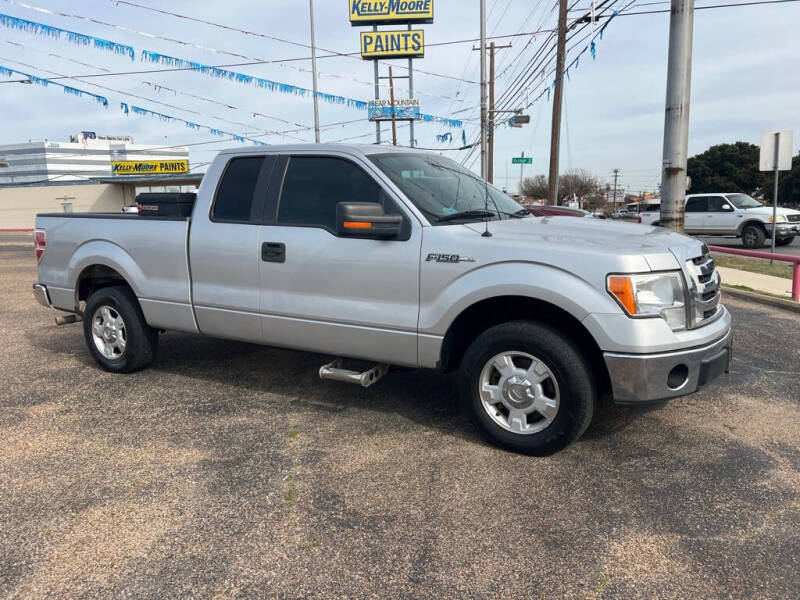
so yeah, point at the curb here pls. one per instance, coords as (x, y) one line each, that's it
(789, 305)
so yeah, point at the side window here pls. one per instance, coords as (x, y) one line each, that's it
(314, 185)
(234, 199)
(715, 203)
(696, 204)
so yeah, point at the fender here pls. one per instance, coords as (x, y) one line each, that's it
(742, 225)
(106, 253)
(514, 278)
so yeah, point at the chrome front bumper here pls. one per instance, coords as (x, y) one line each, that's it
(639, 378)
(41, 295)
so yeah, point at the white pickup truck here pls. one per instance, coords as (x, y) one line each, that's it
(732, 215)
(400, 258)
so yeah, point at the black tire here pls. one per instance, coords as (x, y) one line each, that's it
(141, 340)
(784, 241)
(753, 236)
(569, 367)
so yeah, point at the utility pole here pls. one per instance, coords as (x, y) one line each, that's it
(391, 103)
(676, 116)
(521, 166)
(491, 117)
(314, 72)
(555, 135)
(483, 87)
(616, 174)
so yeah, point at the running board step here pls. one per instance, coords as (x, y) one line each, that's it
(336, 371)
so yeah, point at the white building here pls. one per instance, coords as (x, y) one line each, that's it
(87, 155)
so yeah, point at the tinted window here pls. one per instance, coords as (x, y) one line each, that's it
(696, 205)
(715, 203)
(314, 185)
(234, 199)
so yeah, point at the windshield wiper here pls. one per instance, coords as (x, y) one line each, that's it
(467, 214)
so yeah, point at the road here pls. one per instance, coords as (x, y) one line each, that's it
(793, 249)
(231, 470)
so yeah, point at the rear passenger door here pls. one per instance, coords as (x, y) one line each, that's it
(224, 251)
(345, 296)
(696, 208)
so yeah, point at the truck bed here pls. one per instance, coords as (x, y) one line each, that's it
(150, 253)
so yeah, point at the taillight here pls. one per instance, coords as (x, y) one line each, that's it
(640, 218)
(39, 243)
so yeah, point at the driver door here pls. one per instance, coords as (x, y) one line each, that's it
(721, 217)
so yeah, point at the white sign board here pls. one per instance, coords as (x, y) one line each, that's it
(766, 161)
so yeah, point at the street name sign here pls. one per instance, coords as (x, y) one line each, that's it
(521, 160)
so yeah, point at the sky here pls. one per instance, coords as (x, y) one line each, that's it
(744, 79)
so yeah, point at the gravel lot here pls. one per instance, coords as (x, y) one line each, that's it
(230, 470)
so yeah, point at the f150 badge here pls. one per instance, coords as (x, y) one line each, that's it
(447, 258)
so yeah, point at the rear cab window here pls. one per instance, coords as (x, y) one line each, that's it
(240, 194)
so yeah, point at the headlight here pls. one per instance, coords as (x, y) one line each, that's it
(651, 295)
(779, 219)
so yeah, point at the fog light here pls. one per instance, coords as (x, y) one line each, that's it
(678, 377)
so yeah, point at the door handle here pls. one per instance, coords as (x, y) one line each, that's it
(273, 252)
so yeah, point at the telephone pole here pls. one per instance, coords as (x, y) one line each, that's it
(557, 96)
(616, 174)
(314, 72)
(490, 133)
(391, 103)
(483, 88)
(676, 116)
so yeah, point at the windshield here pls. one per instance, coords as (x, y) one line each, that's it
(445, 191)
(744, 201)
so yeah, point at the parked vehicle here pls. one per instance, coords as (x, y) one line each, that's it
(733, 215)
(400, 258)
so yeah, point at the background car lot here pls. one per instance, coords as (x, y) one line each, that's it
(229, 469)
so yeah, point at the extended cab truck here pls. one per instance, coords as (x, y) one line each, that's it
(732, 215)
(401, 258)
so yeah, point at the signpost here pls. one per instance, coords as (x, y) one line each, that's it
(775, 155)
(407, 43)
(521, 161)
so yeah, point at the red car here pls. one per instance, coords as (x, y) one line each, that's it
(546, 210)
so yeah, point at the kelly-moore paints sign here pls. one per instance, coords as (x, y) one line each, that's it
(404, 109)
(138, 167)
(377, 12)
(392, 44)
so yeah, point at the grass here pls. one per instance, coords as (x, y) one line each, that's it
(754, 265)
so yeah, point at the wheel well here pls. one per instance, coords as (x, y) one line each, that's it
(95, 277)
(485, 314)
(755, 222)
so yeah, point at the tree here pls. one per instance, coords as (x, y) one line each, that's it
(734, 168)
(535, 187)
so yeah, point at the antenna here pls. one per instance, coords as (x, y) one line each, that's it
(486, 210)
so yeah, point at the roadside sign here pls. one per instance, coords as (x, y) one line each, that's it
(382, 12)
(406, 43)
(405, 109)
(521, 160)
(136, 167)
(766, 159)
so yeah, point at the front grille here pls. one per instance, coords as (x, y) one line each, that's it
(704, 283)
(793, 218)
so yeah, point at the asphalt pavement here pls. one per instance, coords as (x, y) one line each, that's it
(732, 242)
(231, 470)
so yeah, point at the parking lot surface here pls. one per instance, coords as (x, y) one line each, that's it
(231, 470)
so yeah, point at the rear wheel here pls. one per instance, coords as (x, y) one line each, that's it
(116, 332)
(784, 241)
(528, 387)
(753, 236)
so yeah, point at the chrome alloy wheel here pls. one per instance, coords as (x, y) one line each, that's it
(519, 392)
(108, 332)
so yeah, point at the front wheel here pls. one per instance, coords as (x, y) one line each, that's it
(528, 387)
(753, 236)
(116, 332)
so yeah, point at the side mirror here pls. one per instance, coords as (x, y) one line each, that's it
(727, 208)
(366, 220)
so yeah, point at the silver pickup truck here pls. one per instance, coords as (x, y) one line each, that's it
(381, 256)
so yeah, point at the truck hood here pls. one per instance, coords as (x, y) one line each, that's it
(767, 211)
(590, 236)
